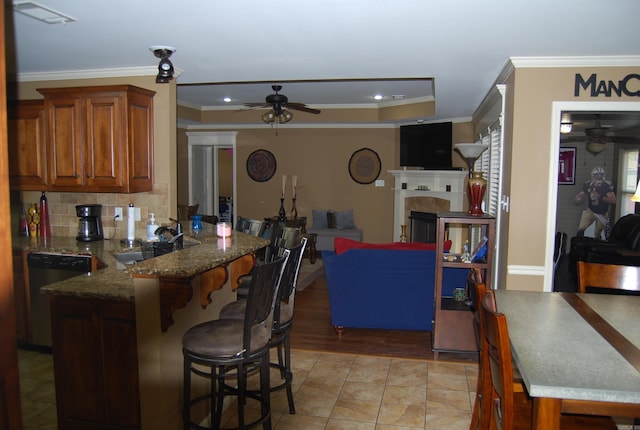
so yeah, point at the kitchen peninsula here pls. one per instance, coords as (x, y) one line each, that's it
(117, 331)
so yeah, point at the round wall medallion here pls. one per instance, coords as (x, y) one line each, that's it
(364, 166)
(261, 165)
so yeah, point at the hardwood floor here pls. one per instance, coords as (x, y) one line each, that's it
(312, 330)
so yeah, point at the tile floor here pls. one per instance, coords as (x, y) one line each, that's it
(331, 391)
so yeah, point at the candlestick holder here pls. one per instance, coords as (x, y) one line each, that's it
(282, 215)
(403, 233)
(294, 211)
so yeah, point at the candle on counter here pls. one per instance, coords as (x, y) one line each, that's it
(224, 243)
(294, 182)
(284, 183)
(223, 229)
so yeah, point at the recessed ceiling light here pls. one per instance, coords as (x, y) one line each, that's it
(227, 99)
(41, 13)
(378, 97)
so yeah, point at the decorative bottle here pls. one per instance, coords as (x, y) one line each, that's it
(23, 226)
(34, 221)
(45, 226)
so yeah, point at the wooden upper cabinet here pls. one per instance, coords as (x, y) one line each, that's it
(27, 148)
(99, 139)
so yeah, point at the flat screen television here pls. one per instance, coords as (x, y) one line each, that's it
(426, 145)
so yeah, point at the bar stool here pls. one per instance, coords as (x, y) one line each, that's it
(226, 348)
(282, 319)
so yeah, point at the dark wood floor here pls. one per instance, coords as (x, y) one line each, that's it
(312, 330)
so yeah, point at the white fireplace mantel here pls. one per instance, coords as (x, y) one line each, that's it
(442, 184)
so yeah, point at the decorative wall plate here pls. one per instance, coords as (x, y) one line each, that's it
(261, 165)
(365, 166)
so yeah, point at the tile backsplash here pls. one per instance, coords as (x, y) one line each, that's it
(64, 221)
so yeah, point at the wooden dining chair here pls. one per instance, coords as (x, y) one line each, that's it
(500, 364)
(503, 403)
(608, 276)
(480, 419)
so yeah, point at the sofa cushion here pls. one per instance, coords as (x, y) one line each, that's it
(319, 219)
(344, 220)
(342, 244)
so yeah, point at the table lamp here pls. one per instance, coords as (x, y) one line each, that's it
(477, 184)
(636, 196)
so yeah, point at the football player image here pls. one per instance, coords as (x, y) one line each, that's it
(600, 195)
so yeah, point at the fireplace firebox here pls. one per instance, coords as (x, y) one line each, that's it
(423, 227)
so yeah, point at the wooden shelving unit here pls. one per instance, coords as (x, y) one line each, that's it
(453, 322)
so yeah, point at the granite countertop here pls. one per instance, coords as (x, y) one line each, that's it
(114, 280)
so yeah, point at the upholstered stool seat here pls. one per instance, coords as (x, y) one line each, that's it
(222, 349)
(224, 338)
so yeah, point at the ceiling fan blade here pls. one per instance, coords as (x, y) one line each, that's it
(258, 104)
(567, 139)
(624, 139)
(302, 107)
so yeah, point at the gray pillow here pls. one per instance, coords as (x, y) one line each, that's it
(319, 218)
(344, 220)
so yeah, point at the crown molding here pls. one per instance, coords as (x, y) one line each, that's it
(590, 61)
(91, 74)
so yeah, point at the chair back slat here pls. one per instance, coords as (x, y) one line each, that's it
(499, 356)
(608, 276)
(265, 281)
(286, 293)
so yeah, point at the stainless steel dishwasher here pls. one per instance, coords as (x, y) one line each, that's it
(44, 269)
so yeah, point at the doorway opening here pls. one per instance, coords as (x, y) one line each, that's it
(212, 173)
(563, 214)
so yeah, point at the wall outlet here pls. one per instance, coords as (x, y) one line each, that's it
(118, 214)
(136, 214)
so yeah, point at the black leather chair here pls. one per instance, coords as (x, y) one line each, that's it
(622, 247)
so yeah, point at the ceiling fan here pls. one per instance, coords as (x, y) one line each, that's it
(597, 137)
(279, 104)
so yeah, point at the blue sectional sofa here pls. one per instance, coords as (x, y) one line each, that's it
(385, 288)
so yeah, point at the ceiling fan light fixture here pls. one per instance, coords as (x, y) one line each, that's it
(285, 116)
(596, 147)
(269, 117)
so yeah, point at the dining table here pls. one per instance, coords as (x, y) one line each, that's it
(576, 353)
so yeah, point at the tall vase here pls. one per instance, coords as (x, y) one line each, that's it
(294, 211)
(477, 187)
(282, 215)
(403, 233)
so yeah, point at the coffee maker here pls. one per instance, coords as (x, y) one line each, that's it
(89, 223)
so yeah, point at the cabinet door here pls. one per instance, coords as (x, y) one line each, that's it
(27, 150)
(105, 144)
(65, 130)
(95, 363)
(140, 140)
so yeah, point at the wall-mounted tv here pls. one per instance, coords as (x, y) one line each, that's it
(426, 145)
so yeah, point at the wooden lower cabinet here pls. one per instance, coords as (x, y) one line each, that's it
(21, 295)
(95, 363)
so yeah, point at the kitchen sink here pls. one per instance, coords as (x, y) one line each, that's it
(145, 252)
